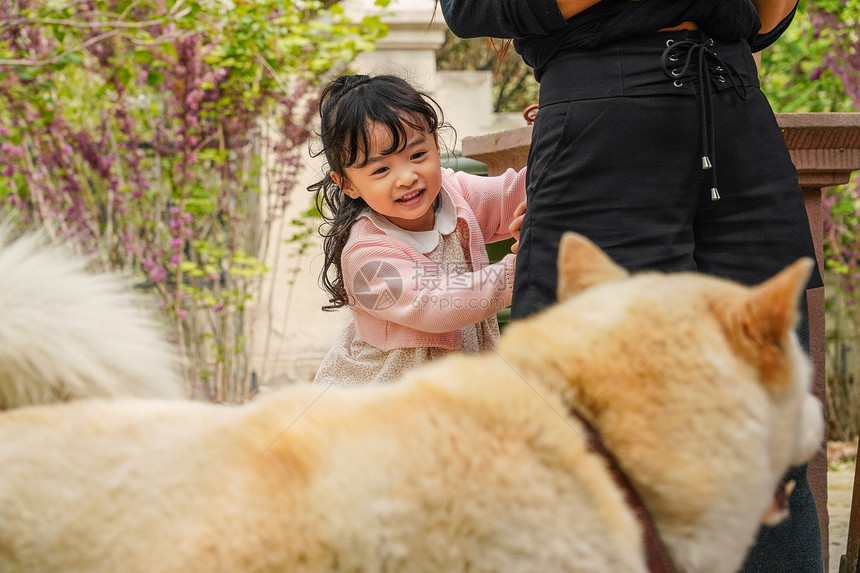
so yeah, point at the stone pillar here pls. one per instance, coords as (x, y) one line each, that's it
(415, 32)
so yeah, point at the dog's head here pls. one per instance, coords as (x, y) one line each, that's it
(696, 383)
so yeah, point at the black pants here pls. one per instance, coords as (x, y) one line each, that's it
(616, 155)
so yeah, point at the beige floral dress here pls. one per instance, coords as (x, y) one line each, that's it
(353, 362)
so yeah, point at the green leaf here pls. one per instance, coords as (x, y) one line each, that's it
(123, 75)
(154, 78)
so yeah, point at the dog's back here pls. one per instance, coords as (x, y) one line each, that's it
(66, 334)
(468, 464)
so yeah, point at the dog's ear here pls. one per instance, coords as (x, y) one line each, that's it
(758, 324)
(582, 265)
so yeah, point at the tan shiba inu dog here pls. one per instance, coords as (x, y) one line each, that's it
(696, 385)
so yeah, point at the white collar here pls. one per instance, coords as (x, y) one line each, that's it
(444, 223)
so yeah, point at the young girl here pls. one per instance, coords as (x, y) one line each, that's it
(404, 241)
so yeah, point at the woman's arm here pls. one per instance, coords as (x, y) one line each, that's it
(501, 18)
(509, 18)
(772, 12)
(570, 8)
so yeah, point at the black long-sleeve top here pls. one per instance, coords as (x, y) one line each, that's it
(539, 30)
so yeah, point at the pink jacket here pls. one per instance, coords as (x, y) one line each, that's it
(401, 299)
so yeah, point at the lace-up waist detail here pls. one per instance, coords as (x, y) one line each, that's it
(683, 63)
(635, 67)
(697, 62)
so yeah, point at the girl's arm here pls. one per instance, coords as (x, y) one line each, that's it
(773, 12)
(494, 200)
(384, 282)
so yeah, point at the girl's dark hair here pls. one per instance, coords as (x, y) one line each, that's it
(348, 108)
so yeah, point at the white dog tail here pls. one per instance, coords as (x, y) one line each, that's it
(66, 334)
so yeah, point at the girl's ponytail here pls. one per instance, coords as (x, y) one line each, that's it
(339, 211)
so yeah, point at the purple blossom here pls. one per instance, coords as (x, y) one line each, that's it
(158, 275)
(133, 163)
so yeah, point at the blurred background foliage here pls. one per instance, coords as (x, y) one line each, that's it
(163, 138)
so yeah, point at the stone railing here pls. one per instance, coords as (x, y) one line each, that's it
(825, 148)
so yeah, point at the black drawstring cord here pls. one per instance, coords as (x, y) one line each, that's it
(706, 62)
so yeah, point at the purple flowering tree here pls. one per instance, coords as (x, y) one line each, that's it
(162, 138)
(836, 22)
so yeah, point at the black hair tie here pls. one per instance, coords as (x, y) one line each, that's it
(352, 82)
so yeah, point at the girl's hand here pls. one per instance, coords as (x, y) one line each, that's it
(516, 225)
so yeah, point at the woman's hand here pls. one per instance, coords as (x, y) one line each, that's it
(516, 225)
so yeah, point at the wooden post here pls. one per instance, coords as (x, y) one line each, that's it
(825, 148)
(850, 562)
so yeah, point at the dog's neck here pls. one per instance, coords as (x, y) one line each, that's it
(656, 554)
(695, 523)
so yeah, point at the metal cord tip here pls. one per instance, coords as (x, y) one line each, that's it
(706, 162)
(715, 195)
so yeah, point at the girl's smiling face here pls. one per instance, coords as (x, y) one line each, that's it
(401, 184)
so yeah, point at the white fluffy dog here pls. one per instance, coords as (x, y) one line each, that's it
(66, 334)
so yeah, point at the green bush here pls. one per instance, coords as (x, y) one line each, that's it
(164, 139)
